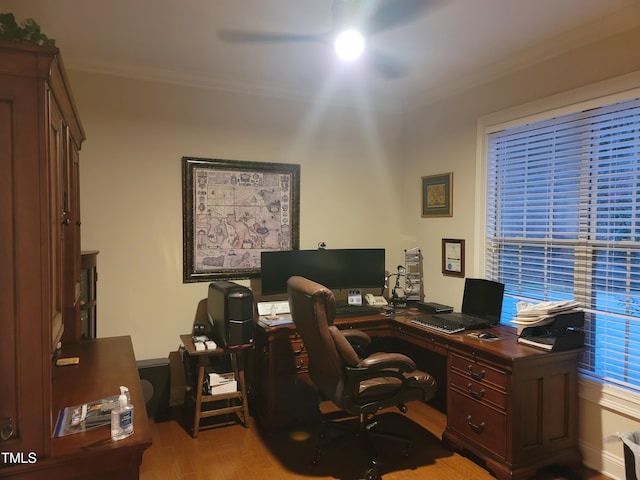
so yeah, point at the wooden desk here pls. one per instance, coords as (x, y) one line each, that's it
(105, 364)
(237, 362)
(513, 406)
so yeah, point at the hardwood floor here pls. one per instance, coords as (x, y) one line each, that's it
(232, 452)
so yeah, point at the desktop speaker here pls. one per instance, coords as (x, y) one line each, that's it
(154, 378)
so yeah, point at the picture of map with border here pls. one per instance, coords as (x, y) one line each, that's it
(237, 215)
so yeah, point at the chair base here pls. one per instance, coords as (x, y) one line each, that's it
(365, 430)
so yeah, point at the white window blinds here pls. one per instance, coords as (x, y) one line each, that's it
(563, 222)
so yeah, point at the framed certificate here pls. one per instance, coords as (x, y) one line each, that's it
(453, 257)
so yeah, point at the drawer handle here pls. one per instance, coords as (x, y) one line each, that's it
(476, 395)
(6, 428)
(476, 376)
(474, 427)
(300, 350)
(300, 365)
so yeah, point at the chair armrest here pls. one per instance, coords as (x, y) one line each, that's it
(356, 335)
(359, 340)
(382, 367)
(382, 361)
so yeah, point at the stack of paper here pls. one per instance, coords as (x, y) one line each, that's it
(543, 313)
(218, 383)
(275, 320)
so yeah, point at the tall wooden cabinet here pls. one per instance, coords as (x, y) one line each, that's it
(40, 136)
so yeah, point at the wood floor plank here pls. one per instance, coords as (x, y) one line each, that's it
(234, 452)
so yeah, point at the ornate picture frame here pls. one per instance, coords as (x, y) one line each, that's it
(232, 211)
(437, 195)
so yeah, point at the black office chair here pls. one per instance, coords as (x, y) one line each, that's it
(359, 386)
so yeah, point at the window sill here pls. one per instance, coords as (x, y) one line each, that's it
(610, 397)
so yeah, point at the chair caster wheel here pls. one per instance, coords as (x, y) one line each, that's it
(372, 474)
(407, 450)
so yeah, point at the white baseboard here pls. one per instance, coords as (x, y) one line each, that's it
(602, 461)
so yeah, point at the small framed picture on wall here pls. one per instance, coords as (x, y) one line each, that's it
(437, 195)
(453, 257)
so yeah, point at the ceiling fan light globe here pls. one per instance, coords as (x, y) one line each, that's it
(349, 45)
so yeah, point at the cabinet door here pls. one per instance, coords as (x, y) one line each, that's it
(25, 339)
(58, 216)
(71, 240)
(8, 373)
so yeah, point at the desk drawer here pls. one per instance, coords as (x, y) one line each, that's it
(300, 355)
(297, 345)
(301, 363)
(422, 337)
(484, 393)
(479, 423)
(476, 370)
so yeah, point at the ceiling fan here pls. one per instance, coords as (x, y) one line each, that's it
(364, 17)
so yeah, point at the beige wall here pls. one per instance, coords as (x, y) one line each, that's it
(360, 187)
(137, 133)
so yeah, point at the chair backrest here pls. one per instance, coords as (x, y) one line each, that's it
(313, 309)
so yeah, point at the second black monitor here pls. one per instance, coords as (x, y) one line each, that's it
(333, 268)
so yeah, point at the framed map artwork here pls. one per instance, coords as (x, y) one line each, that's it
(234, 210)
(437, 195)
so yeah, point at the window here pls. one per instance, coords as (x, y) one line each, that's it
(563, 222)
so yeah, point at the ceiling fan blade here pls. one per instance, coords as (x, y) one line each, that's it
(246, 36)
(394, 13)
(387, 66)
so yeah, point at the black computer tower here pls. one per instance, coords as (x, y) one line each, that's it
(230, 311)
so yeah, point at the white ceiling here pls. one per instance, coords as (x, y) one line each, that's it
(453, 45)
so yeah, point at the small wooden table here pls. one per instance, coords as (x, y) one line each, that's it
(241, 408)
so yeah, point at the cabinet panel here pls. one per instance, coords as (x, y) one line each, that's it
(57, 218)
(545, 407)
(71, 240)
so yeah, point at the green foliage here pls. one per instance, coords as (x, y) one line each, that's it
(27, 32)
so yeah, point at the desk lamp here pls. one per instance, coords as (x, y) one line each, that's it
(398, 298)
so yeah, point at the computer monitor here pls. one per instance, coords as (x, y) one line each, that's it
(483, 298)
(334, 268)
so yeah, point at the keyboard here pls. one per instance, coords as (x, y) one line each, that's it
(439, 324)
(355, 310)
(469, 322)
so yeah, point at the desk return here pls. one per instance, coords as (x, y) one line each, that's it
(512, 406)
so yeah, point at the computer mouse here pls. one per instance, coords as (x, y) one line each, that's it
(487, 335)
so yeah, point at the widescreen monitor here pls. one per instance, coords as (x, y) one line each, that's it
(334, 268)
